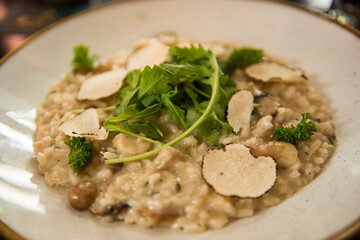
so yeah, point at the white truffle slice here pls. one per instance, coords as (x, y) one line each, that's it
(102, 85)
(153, 53)
(86, 124)
(274, 72)
(240, 108)
(234, 172)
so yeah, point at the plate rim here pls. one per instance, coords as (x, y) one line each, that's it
(345, 233)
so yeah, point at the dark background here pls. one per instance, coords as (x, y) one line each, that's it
(21, 18)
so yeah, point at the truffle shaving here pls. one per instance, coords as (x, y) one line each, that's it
(86, 124)
(102, 85)
(274, 72)
(240, 108)
(153, 53)
(234, 172)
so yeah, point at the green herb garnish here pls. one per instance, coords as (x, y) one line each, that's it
(191, 88)
(82, 60)
(302, 132)
(242, 58)
(80, 153)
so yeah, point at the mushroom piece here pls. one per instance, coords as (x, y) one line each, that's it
(274, 72)
(268, 105)
(285, 154)
(167, 157)
(129, 145)
(85, 124)
(82, 195)
(102, 85)
(235, 172)
(153, 53)
(240, 108)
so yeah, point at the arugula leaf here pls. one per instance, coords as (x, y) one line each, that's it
(177, 114)
(131, 113)
(155, 80)
(133, 78)
(124, 103)
(187, 71)
(82, 60)
(302, 132)
(215, 84)
(210, 130)
(80, 153)
(193, 55)
(147, 127)
(242, 58)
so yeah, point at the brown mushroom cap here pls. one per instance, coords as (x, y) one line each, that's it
(240, 108)
(274, 72)
(235, 172)
(86, 124)
(102, 85)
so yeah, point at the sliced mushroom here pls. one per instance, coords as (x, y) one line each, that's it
(167, 157)
(235, 172)
(240, 108)
(285, 154)
(86, 124)
(268, 105)
(274, 72)
(153, 53)
(102, 85)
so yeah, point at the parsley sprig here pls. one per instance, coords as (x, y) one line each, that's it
(80, 153)
(82, 60)
(302, 132)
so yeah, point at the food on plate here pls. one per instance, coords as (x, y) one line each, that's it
(234, 172)
(181, 134)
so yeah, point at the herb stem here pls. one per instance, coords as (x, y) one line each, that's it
(199, 91)
(207, 112)
(76, 111)
(123, 130)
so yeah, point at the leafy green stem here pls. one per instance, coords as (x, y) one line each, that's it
(207, 112)
(198, 91)
(118, 128)
(76, 111)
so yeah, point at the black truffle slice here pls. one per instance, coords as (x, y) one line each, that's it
(234, 172)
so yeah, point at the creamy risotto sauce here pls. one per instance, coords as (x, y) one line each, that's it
(167, 189)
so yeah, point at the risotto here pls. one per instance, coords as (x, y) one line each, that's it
(179, 135)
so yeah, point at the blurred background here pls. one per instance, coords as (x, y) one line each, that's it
(21, 18)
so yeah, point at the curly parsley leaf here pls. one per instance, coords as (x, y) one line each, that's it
(241, 58)
(302, 132)
(80, 153)
(82, 60)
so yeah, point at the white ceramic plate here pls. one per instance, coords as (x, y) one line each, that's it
(328, 52)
